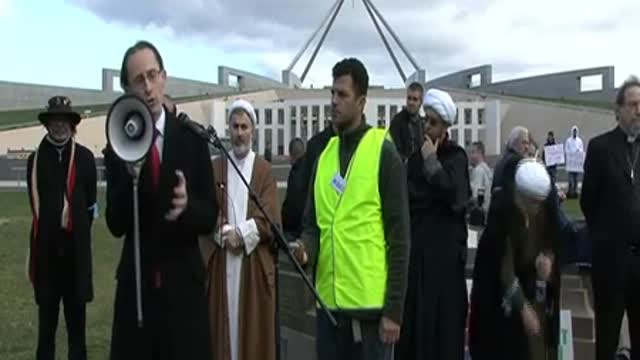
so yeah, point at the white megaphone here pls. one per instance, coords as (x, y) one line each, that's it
(129, 130)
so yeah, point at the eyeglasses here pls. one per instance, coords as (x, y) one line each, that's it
(151, 76)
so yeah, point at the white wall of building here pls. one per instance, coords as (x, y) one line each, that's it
(279, 122)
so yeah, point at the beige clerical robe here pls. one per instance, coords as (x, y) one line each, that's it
(241, 287)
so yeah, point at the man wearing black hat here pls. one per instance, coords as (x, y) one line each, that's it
(61, 175)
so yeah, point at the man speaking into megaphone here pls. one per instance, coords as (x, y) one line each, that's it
(176, 204)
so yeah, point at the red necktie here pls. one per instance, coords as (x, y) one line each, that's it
(155, 162)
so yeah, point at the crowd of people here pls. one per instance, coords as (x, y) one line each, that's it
(379, 219)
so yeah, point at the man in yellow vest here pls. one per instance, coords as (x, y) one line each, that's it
(356, 229)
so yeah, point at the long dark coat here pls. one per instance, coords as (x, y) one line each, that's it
(173, 292)
(436, 301)
(50, 238)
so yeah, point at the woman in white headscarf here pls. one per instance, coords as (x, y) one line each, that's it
(516, 283)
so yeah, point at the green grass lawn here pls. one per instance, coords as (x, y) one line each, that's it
(18, 317)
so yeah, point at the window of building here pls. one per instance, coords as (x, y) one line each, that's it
(475, 80)
(257, 116)
(281, 116)
(268, 116)
(482, 135)
(327, 115)
(281, 144)
(467, 116)
(292, 120)
(304, 134)
(480, 116)
(268, 139)
(467, 138)
(591, 83)
(454, 135)
(315, 119)
(393, 111)
(382, 116)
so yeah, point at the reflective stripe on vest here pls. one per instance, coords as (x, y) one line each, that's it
(351, 271)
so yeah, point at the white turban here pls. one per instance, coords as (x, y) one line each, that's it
(442, 103)
(244, 105)
(532, 180)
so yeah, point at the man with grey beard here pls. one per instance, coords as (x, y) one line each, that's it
(239, 254)
(610, 201)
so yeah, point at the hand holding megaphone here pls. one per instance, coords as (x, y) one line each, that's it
(180, 198)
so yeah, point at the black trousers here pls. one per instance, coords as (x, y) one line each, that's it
(337, 343)
(612, 297)
(74, 314)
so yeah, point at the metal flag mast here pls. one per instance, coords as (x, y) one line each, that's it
(376, 18)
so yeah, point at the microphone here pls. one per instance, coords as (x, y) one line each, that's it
(193, 126)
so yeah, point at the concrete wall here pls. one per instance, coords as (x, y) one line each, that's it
(247, 81)
(176, 87)
(15, 95)
(462, 79)
(28, 96)
(540, 117)
(564, 85)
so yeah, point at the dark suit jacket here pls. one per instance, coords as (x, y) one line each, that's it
(606, 201)
(174, 301)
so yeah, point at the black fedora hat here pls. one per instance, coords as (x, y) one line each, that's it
(60, 107)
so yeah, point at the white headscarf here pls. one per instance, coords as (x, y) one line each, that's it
(442, 103)
(532, 180)
(244, 105)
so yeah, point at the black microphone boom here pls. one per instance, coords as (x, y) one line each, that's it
(194, 126)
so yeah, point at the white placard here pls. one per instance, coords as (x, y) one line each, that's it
(554, 154)
(565, 345)
(575, 162)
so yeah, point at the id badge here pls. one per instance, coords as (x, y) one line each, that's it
(338, 183)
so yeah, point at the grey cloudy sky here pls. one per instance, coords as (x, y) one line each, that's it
(518, 37)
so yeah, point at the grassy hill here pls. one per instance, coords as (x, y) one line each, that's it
(12, 119)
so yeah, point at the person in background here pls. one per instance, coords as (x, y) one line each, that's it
(481, 176)
(294, 202)
(518, 146)
(61, 179)
(406, 127)
(610, 202)
(552, 170)
(573, 145)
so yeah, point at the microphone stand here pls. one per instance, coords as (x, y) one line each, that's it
(280, 237)
(134, 170)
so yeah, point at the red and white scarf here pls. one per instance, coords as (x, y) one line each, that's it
(66, 218)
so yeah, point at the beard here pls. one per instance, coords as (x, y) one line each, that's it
(241, 150)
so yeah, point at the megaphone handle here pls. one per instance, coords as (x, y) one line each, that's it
(136, 245)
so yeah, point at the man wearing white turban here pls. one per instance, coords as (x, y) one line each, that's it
(438, 183)
(516, 282)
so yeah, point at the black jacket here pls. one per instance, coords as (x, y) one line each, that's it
(610, 201)
(173, 274)
(295, 200)
(407, 133)
(52, 246)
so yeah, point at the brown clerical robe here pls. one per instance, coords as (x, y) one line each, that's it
(257, 295)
